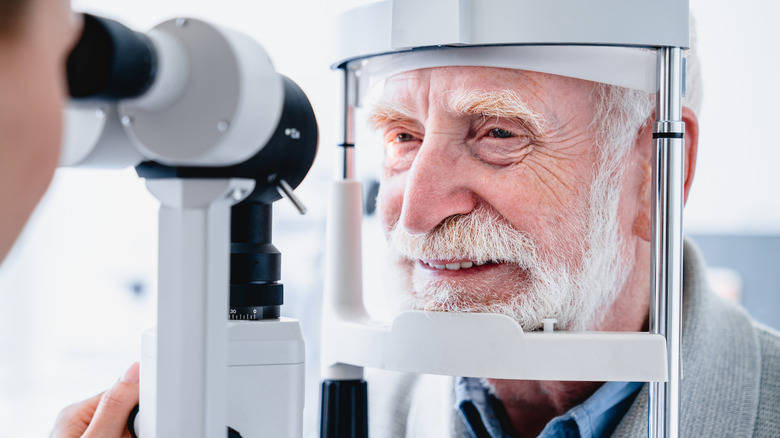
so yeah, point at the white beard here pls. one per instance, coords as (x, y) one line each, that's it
(551, 286)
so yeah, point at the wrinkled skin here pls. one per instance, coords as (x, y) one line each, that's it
(440, 163)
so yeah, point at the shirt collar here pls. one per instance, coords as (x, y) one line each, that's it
(595, 417)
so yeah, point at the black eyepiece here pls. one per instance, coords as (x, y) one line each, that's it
(110, 61)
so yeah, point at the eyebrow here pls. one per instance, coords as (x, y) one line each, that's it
(506, 104)
(503, 104)
(387, 111)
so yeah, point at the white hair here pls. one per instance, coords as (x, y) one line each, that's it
(621, 112)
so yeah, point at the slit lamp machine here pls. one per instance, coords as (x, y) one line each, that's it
(219, 136)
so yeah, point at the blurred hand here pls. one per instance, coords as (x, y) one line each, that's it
(104, 415)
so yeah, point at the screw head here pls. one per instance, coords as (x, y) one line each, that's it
(292, 133)
(237, 194)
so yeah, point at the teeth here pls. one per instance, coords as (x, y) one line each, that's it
(454, 266)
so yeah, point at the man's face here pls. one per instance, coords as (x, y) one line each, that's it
(487, 197)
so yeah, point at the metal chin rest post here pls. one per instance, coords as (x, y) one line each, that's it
(619, 43)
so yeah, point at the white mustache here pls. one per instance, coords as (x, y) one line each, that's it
(481, 236)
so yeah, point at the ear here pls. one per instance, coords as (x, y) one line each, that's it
(643, 221)
(691, 147)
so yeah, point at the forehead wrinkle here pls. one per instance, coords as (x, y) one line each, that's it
(499, 104)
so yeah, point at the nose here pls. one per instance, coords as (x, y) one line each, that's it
(438, 185)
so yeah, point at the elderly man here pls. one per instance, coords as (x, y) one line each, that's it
(529, 194)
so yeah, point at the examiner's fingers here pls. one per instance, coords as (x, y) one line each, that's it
(74, 419)
(104, 415)
(110, 417)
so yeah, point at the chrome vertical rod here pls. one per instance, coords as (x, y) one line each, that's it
(666, 287)
(349, 102)
(344, 402)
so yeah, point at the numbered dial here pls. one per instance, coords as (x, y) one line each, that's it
(250, 302)
(253, 313)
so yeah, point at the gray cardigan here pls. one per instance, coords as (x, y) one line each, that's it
(730, 386)
(731, 368)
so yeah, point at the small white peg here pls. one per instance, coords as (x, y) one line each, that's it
(548, 324)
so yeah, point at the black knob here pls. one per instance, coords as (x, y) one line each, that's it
(255, 301)
(344, 407)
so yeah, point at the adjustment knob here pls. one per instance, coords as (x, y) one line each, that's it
(251, 302)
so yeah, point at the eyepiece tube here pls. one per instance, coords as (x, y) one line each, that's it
(110, 62)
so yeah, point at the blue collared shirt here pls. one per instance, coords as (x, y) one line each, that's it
(596, 417)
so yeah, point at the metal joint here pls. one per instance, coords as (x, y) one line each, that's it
(667, 126)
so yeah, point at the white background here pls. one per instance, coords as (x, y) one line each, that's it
(69, 323)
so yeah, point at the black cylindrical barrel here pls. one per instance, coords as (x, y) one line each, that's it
(110, 61)
(255, 263)
(344, 409)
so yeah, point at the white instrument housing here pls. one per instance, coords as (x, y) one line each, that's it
(224, 103)
(215, 100)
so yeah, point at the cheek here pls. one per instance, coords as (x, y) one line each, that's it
(34, 120)
(38, 146)
(29, 152)
(48, 136)
(43, 119)
(636, 203)
(390, 200)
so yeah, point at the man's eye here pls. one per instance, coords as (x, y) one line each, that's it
(404, 137)
(500, 133)
(400, 149)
